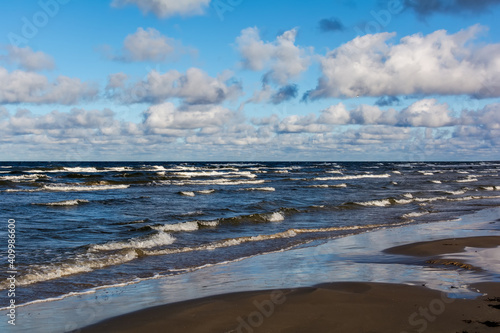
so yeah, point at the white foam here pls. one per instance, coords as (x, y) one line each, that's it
(396, 172)
(81, 169)
(76, 188)
(436, 181)
(386, 175)
(457, 192)
(474, 197)
(22, 190)
(158, 239)
(21, 178)
(208, 223)
(220, 181)
(377, 203)
(269, 189)
(191, 174)
(187, 193)
(275, 217)
(83, 263)
(335, 171)
(469, 179)
(426, 173)
(490, 188)
(183, 226)
(408, 195)
(430, 199)
(205, 191)
(64, 203)
(415, 214)
(118, 169)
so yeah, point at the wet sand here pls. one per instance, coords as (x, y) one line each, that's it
(444, 246)
(332, 307)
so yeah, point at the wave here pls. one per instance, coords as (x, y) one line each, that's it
(436, 181)
(220, 181)
(193, 174)
(457, 192)
(290, 233)
(490, 188)
(385, 175)
(269, 189)
(155, 240)
(210, 224)
(187, 193)
(414, 214)
(81, 264)
(275, 217)
(469, 179)
(205, 191)
(63, 203)
(183, 226)
(77, 188)
(128, 251)
(21, 178)
(68, 169)
(474, 197)
(22, 190)
(376, 203)
(335, 171)
(328, 186)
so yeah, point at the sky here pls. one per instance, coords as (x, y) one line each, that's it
(241, 80)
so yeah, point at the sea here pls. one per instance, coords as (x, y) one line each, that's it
(81, 226)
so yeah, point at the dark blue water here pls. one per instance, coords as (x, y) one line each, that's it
(84, 225)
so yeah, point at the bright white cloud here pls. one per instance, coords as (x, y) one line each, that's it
(29, 87)
(193, 87)
(423, 113)
(166, 8)
(165, 117)
(148, 45)
(438, 63)
(27, 59)
(282, 59)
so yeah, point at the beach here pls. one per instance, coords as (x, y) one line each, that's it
(332, 307)
(252, 246)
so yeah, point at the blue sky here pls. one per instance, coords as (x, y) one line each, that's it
(249, 80)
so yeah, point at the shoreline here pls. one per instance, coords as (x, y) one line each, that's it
(357, 257)
(341, 306)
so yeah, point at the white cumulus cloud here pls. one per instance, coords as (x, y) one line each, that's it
(29, 87)
(437, 63)
(193, 87)
(281, 58)
(28, 59)
(166, 8)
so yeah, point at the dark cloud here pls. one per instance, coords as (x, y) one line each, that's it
(331, 24)
(285, 93)
(428, 7)
(387, 101)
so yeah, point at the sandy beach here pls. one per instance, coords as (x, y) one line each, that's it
(334, 307)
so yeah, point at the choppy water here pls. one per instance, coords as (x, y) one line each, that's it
(84, 225)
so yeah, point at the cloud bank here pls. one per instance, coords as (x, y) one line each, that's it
(435, 64)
